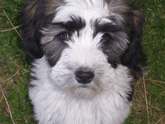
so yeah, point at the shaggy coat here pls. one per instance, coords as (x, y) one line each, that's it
(86, 54)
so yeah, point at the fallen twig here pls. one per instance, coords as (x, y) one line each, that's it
(159, 95)
(155, 81)
(160, 120)
(146, 100)
(20, 67)
(10, 29)
(8, 107)
(11, 76)
(12, 24)
(158, 85)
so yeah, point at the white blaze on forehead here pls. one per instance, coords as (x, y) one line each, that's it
(87, 9)
(86, 40)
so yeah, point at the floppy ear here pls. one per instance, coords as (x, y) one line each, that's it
(133, 55)
(36, 15)
(31, 34)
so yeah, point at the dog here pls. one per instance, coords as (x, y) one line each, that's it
(86, 54)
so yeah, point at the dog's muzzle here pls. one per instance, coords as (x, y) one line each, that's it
(84, 76)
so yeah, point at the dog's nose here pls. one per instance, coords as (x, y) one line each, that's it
(84, 77)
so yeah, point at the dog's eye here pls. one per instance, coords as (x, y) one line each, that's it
(105, 38)
(64, 36)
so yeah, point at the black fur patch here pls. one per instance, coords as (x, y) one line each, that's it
(53, 49)
(75, 25)
(112, 44)
(133, 55)
(36, 15)
(130, 28)
(130, 93)
(32, 86)
(106, 27)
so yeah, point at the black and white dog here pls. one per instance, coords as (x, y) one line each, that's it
(86, 54)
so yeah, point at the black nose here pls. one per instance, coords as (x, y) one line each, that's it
(84, 77)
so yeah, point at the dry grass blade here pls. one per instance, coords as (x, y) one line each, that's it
(155, 81)
(160, 119)
(147, 35)
(10, 29)
(12, 24)
(20, 67)
(158, 85)
(159, 95)
(8, 107)
(145, 93)
(1, 99)
(10, 77)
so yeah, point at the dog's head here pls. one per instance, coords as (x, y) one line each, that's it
(84, 41)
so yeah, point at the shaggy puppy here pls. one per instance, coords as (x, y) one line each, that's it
(86, 54)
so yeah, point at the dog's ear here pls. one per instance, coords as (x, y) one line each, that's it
(31, 34)
(133, 54)
(36, 15)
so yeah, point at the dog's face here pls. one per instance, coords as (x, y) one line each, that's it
(85, 42)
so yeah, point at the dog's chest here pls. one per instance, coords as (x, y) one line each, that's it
(61, 109)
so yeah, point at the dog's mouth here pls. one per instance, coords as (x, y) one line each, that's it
(88, 87)
(84, 86)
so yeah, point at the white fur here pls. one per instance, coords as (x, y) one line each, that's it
(88, 9)
(52, 105)
(58, 98)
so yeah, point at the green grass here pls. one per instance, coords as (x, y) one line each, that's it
(14, 67)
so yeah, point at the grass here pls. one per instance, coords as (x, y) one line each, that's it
(149, 98)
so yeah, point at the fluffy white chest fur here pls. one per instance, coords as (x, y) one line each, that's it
(53, 106)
